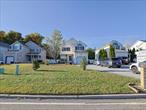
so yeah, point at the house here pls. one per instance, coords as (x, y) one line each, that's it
(72, 51)
(24, 53)
(120, 50)
(139, 45)
(3, 48)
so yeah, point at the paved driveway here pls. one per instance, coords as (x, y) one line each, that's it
(123, 71)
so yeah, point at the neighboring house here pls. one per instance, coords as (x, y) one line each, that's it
(36, 52)
(24, 53)
(3, 48)
(139, 45)
(72, 51)
(120, 50)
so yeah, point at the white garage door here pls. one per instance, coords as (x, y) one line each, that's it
(9, 60)
(78, 59)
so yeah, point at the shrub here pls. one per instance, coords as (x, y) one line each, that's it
(83, 63)
(36, 65)
(47, 62)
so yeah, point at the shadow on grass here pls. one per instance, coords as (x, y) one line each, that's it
(52, 70)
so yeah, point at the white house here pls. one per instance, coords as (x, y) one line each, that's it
(72, 51)
(23, 53)
(139, 45)
(120, 50)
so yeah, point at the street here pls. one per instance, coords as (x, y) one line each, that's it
(123, 71)
(72, 104)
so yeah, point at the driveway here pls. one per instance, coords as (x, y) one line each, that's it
(123, 71)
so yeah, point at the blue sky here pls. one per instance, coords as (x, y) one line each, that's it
(95, 22)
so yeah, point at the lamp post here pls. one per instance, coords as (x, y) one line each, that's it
(17, 70)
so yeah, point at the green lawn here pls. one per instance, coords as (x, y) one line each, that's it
(62, 79)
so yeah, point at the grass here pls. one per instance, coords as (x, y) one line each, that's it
(61, 79)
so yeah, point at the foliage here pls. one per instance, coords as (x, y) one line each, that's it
(54, 44)
(2, 36)
(84, 63)
(91, 53)
(10, 37)
(102, 54)
(36, 65)
(112, 52)
(47, 62)
(62, 79)
(35, 37)
(131, 54)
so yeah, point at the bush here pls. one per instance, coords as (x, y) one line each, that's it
(83, 63)
(36, 65)
(47, 62)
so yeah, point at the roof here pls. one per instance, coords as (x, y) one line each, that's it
(111, 43)
(2, 44)
(74, 42)
(143, 40)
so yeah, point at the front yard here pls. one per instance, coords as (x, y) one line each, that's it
(61, 79)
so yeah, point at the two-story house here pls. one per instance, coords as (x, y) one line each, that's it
(120, 50)
(36, 52)
(3, 48)
(72, 51)
(24, 53)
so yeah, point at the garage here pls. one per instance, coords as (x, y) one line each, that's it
(9, 59)
(78, 59)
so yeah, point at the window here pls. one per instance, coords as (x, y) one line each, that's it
(65, 49)
(16, 47)
(79, 47)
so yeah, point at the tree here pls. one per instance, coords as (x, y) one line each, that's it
(48, 52)
(91, 53)
(2, 36)
(83, 63)
(102, 54)
(12, 36)
(54, 44)
(131, 54)
(112, 52)
(35, 37)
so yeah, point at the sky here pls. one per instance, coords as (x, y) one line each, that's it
(95, 22)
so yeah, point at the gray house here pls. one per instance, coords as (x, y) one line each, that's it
(3, 49)
(23, 53)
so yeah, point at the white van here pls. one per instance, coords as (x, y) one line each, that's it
(141, 57)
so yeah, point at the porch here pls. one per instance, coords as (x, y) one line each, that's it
(67, 58)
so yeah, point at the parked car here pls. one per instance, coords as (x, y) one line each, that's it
(90, 61)
(135, 68)
(113, 62)
(124, 60)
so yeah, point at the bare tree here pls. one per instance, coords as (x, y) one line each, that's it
(54, 44)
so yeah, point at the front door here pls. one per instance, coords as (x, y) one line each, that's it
(70, 59)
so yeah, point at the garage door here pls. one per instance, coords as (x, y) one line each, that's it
(9, 60)
(78, 59)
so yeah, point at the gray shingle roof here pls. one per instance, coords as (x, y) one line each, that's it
(2, 44)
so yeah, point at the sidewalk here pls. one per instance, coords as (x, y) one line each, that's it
(111, 96)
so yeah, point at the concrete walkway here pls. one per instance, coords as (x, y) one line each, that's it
(123, 71)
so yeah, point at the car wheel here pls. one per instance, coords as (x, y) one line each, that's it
(134, 69)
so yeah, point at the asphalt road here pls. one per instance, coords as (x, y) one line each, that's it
(72, 104)
(123, 71)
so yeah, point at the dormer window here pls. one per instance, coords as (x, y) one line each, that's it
(79, 47)
(16, 47)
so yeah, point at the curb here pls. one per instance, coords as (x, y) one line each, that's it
(112, 96)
